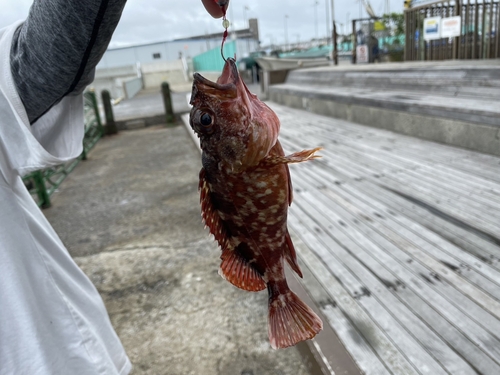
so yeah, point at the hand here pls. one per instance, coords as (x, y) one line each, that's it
(213, 7)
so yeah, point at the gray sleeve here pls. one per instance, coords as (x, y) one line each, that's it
(55, 51)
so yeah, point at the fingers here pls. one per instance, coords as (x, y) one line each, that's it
(213, 7)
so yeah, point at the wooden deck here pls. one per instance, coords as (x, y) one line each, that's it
(399, 239)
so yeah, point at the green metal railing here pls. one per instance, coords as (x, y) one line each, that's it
(43, 183)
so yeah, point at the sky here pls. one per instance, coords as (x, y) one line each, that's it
(147, 21)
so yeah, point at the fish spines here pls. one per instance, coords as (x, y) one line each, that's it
(290, 319)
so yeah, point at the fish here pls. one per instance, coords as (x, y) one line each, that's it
(245, 191)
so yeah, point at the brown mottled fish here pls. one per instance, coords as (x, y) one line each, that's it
(245, 191)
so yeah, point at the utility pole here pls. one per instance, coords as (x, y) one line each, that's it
(335, 57)
(286, 33)
(327, 14)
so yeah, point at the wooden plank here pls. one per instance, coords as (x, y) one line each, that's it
(402, 145)
(484, 250)
(333, 316)
(483, 337)
(395, 328)
(367, 233)
(473, 310)
(354, 171)
(466, 213)
(379, 164)
(377, 340)
(433, 343)
(439, 257)
(411, 161)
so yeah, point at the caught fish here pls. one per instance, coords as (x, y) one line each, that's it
(245, 191)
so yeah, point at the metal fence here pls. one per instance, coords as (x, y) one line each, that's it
(479, 38)
(43, 183)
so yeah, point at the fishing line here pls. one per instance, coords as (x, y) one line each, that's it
(225, 25)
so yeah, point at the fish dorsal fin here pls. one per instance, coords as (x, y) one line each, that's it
(291, 255)
(235, 269)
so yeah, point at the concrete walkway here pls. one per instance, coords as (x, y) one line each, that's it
(130, 217)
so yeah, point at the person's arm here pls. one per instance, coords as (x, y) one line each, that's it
(55, 51)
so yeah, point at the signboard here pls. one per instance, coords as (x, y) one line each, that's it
(378, 26)
(450, 27)
(362, 54)
(432, 28)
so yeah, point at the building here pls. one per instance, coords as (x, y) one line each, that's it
(247, 40)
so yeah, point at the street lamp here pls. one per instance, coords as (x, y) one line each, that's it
(286, 33)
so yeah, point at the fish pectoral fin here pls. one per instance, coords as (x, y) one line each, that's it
(296, 157)
(235, 269)
(210, 215)
(291, 255)
(290, 320)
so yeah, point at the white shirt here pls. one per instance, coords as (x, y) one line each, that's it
(52, 319)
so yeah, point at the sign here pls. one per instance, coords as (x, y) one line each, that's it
(432, 28)
(450, 27)
(362, 54)
(378, 26)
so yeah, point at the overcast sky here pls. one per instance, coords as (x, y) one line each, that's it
(145, 21)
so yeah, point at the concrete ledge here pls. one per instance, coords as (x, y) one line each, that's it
(476, 129)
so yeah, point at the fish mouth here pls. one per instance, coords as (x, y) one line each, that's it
(227, 83)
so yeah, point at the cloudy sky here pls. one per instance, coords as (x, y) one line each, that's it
(145, 21)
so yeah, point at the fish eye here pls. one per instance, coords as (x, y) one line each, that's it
(206, 119)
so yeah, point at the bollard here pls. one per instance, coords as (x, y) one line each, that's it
(108, 111)
(167, 101)
(41, 190)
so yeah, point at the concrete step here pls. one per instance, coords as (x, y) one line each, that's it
(478, 81)
(446, 103)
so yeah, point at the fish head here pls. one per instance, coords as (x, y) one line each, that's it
(234, 126)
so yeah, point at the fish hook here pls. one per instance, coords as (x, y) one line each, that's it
(225, 24)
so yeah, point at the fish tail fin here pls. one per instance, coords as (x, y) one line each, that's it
(290, 320)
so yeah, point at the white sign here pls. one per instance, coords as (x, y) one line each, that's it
(362, 54)
(450, 27)
(432, 28)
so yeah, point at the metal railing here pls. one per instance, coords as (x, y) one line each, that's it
(43, 183)
(479, 37)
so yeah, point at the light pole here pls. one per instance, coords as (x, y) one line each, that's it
(245, 8)
(316, 3)
(286, 33)
(298, 39)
